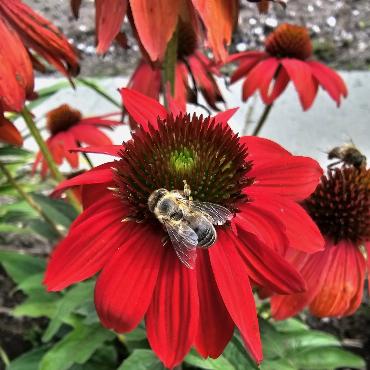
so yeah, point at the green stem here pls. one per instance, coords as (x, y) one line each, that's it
(88, 160)
(262, 120)
(27, 116)
(4, 357)
(99, 91)
(29, 199)
(169, 65)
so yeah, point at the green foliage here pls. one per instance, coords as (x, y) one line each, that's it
(142, 359)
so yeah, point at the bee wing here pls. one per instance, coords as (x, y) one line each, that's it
(218, 214)
(185, 241)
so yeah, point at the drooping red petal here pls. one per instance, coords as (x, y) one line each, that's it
(258, 77)
(125, 287)
(215, 324)
(224, 116)
(112, 150)
(9, 133)
(266, 267)
(302, 232)
(219, 18)
(272, 92)
(146, 79)
(246, 55)
(313, 269)
(172, 317)
(96, 175)
(233, 283)
(90, 243)
(367, 246)
(155, 23)
(181, 87)
(329, 80)
(342, 289)
(68, 143)
(301, 75)
(90, 135)
(294, 177)
(109, 19)
(142, 109)
(245, 66)
(264, 224)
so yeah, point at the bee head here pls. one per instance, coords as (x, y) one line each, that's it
(155, 197)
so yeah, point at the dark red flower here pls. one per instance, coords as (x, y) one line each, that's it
(68, 130)
(26, 37)
(256, 179)
(191, 64)
(287, 56)
(156, 22)
(335, 276)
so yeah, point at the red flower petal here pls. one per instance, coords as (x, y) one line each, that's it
(246, 55)
(313, 269)
(125, 287)
(329, 80)
(215, 325)
(97, 175)
(90, 135)
(301, 75)
(143, 109)
(112, 150)
(233, 283)
(9, 133)
(181, 87)
(246, 64)
(172, 317)
(259, 76)
(262, 148)
(266, 267)
(69, 142)
(109, 19)
(293, 177)
(273, 91)
(224, 116)
(342, 290)
(219, 18)
(302, 232)
(155, 24)
(92, 240)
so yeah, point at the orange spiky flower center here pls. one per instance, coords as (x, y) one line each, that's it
(289, 41)
(62, 118)
(207, 155)
(340, 205)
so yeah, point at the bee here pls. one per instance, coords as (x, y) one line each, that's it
(188, 223)
(349, 155)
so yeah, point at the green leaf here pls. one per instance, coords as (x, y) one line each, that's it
(76, 347)
(142, 359)
(73, 298)
(21, 266)
(27, 361)
(237, 355)
(290, 325)
(326, 358)
(309, 338)
(279, 364)
(220, 363)
(32, 283)
(9, 228)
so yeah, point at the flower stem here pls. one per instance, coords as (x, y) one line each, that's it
(262, 119)
(88, 160)
(27, 116)
(4, 357)
(169, 65)
(29, 199)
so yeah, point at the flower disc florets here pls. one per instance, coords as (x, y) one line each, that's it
(290, 41)
(340, 205)
(207, 155)
(62, 118)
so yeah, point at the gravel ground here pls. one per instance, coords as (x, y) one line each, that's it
(340, 30)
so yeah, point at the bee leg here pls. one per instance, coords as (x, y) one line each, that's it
(331, 165)
(187, 190)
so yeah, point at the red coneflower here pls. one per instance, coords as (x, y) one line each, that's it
(68, 130)
(191, 62)
(287, 56)
(155, 22)
(256, 179)
(25, 38)
(335, 277)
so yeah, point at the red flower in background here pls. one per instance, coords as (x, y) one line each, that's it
(253, 177)
(287, 58)
(155, 22)
(263, 5)
(335, 276)
(69, 130)
(191, 63)
(26, 37)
